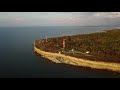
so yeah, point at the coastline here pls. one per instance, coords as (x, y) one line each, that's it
(61, 58)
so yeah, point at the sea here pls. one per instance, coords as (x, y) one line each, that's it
(18, 60)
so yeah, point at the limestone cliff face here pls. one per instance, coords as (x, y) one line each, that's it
(61, 58)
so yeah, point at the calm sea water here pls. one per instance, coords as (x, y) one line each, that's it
(17, 59)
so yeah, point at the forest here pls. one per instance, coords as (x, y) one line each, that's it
(100, 44)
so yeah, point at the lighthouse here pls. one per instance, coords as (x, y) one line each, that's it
(46, 38)
(63, 43)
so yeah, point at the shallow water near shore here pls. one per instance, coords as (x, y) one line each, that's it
(17, 59)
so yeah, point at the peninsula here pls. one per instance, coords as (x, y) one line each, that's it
(100, 50)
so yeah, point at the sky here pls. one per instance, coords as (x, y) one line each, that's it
(59, 18)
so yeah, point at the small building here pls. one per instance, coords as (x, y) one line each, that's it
(72, 50)
(87, 52)
(59, 52)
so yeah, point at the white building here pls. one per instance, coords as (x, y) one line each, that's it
(87, 52)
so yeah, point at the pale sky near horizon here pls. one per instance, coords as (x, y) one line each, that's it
(59, 18)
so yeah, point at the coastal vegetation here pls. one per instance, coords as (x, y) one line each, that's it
(102, 46)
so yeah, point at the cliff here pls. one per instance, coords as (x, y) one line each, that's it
(61, 58)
